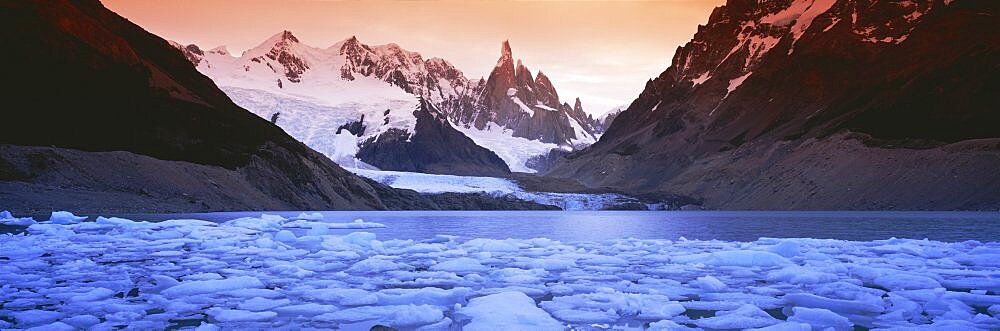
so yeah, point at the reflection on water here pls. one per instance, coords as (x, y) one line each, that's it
(706, 225)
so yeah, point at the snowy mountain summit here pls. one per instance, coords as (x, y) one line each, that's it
(314, 93)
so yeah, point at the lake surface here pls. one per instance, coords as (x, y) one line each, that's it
(703, 225)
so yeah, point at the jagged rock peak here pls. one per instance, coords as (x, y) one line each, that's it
(350, 46)
(523, 72)
(505, 52)
(287, 35)
(578, 106)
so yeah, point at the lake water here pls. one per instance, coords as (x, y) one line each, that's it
(703, 225)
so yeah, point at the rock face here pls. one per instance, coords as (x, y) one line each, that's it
(331, 86)
(818, 104)
(436, 147)
(108, 117)
(529, 105)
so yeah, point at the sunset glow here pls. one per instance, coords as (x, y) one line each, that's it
(602, 51)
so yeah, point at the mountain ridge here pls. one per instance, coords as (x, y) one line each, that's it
(770, 105)
(309, 73)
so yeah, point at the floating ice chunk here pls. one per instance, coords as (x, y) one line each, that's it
(185, 223)
(746, 316)
(651, 309)
(317, 229)
(122, 222)
(412, 315)
(285, 236)
(342, 296)
(375, 265)
(786, 326)
(667, 325)
(800, 275)
(47, 229)
(207, 327)
(260, 304)
(820, 318)
(507, 311)
(254, 292)
(586, 316)
(836, 305)
(709, 284)
(6, 218)
(905, 281)
(266, 222)
(357, 224)
(460, 265)
(443, 324)
(82, 321)
(306, 309)
(36, 317)
(550, 264)
(363, 240)
(235, 315)
(187, 288)
(742, 258)
(54, 326)
(93, 295)
(65, 217)
(309, 216)
(604, 260)
(395, 315)
(425, 295)
(786, 248)
(994, 310)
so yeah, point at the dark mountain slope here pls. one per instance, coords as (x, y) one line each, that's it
(825, 104)
(436, 147)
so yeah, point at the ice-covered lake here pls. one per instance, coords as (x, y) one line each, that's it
(458, 270)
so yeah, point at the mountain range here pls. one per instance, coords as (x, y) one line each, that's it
(511, 117)
(817, 104)
(103, 116)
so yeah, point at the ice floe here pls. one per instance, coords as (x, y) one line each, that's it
(271, 272)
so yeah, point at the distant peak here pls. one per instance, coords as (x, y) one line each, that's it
(281, 37)
(506, 58)
(505, 50)
(287, 35)
(222, 50)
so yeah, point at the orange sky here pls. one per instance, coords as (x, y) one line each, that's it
(602, 51)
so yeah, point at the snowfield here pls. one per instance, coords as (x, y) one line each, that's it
(270, 272)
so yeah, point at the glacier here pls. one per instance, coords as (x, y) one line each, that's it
(498, 187)
(268, 272)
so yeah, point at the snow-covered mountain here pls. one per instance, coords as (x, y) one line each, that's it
(341, 100)
(315, 92)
